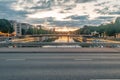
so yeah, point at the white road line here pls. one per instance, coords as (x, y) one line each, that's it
(15, 59)
(104, 79)
(83, 59)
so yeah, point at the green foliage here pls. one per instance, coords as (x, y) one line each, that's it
(111, 29)
(32, 31)
(5, 26)
(23, 31)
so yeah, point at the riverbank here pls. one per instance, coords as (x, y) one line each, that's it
(59, 50)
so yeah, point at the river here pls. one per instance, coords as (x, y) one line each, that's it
(63, 39)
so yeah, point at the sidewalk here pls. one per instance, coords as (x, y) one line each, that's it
(59, 50)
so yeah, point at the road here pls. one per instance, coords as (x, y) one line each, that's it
(59, 66)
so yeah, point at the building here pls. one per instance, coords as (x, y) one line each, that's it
(17, 27)
(39, 26)
(95, 33)
(25, 27)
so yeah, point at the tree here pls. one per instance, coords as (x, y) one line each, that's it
(30, 31)
(110, 30)
(23, 32)
(101, 29)
(5, 26)
(85, 30)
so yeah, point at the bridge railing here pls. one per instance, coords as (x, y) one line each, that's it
(72, 35)
(41, 44)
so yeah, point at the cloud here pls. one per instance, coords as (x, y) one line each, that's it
(61, 12)
(79, 18)
(83, 1)
(7, 12)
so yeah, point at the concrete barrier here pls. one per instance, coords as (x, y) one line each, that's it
(59, 50)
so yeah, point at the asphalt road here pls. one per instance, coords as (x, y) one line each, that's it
(62, 66)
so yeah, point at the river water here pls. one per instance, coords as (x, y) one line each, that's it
(63, 39)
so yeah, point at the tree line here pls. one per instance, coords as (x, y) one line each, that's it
(7, 27)
(32, 31)
(111, 29)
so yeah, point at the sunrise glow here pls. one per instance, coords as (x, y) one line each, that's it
(65, 29)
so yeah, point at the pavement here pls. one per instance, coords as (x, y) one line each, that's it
(65, 66)
(60, 50)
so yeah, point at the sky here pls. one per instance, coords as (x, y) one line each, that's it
(61, 13)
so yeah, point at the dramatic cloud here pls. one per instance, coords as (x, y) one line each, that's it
(82, 1)
(74, 13)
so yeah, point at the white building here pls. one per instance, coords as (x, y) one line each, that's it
(17, 27)
(26, 26)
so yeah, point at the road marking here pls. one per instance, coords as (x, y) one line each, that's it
(83, 59)
(15, 59)
(104, 79)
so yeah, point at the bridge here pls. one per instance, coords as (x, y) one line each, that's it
(58, 35)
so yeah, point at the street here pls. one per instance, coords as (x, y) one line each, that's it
(59, 66)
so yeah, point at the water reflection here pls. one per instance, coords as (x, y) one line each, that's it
(63, 39)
